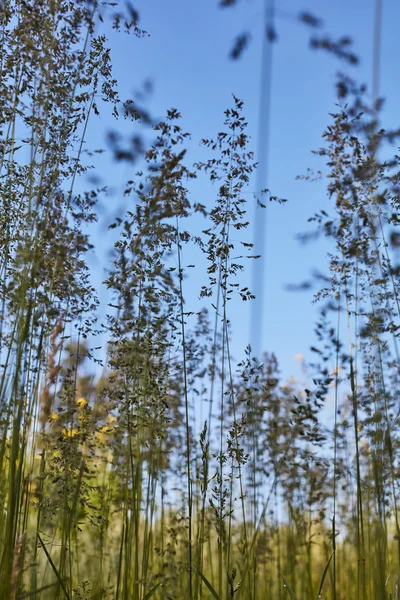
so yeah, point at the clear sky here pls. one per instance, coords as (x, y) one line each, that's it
(186, 57)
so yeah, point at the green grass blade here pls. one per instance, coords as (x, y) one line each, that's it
(53, 566)
(208, 584)
(288, 588)
(321, 585)
(264, 510)
(152, 591)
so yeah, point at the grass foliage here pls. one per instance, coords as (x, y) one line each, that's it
(172, 471)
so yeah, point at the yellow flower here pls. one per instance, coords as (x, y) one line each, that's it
(54, 416)
(81, 402)
(100, 436)
(70, 432)
(101, 433)
(364, 445)
(106, 429)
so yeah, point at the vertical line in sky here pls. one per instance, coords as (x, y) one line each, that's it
(260, 214)
(376, 59)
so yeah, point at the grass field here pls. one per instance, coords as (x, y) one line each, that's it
(171, 471)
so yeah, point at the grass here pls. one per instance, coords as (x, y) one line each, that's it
(175, 471)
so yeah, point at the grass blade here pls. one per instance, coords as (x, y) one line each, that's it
(208, 584)
(321, 585)
(152, 591)
(264, 510)
(288, 588)
(53, 566)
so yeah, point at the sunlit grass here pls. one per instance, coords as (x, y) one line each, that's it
(176, 471)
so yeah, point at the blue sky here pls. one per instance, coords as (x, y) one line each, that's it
(186, 59)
